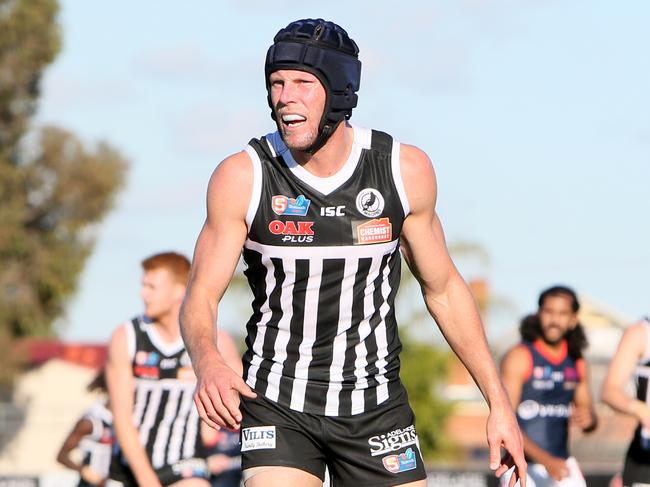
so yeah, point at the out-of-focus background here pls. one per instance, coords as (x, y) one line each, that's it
(113, 115)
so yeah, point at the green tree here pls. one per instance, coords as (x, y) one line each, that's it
(53, 188)
(423, 373)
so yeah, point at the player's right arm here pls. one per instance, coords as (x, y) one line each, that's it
(83, 428)
(515, 371)
(121, 391)
(630, 349)
(216, 254)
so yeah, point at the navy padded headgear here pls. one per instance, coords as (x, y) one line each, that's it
(325, 50)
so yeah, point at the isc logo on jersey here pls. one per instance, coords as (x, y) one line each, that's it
(258, 438)
(293, 232)
(283, 205)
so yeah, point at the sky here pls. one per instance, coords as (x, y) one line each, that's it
(536, 115)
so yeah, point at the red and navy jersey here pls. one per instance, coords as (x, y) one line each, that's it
(545, 405)
(323, 263)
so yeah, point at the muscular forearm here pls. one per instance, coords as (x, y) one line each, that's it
(198, 326)
(457, 316)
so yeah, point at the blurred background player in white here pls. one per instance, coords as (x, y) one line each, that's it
(93, 436)
(632, 359)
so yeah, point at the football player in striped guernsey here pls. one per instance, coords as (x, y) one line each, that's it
(151, 384)
(320, 210)
(632, 359)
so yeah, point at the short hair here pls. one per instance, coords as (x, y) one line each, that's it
(560, 291)
(177, 264)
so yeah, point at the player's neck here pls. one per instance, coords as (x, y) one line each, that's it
(168, 326)
(330, 158)
(555, 350)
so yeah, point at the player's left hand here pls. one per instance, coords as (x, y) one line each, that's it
(503, 432)
(583, 417)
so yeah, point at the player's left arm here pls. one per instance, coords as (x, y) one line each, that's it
(450, 303)
(584, 413)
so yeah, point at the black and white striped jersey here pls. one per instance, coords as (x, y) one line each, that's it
(323, 262)
(164, 412)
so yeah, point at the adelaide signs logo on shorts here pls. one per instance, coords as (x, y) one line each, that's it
(390, 442)
(370, 202)
(258, 438)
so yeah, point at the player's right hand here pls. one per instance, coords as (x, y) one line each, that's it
(217, 393)
(556, 468)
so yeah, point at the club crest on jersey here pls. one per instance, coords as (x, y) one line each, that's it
(401, 462)
(293, 232)
(370, 202)
(283, 205)
(372, 231)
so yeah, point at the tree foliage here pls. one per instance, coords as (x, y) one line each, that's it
(424, 367)
(53, 188)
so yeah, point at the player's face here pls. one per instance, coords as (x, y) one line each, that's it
(556, 317)
(298, 100)
(160, 293)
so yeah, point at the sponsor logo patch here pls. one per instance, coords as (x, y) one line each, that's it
(168, 363)
(191, 467)
(530, 409)
(401, 462)
(185, 373)
(295, 232)
(146, 358)
(258, 438)
(332, 211)
(283, 205)
(392, 441)
(370, 202)
(145, 372)
(373, 231)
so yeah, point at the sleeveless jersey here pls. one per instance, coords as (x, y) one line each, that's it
(545, 405)
(164, 411)
(323, 263)
(642, 376)
(97, 446)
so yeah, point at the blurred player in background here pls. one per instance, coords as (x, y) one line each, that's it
(548, 382)
(93, 435)
(632, 359)
(151, 384)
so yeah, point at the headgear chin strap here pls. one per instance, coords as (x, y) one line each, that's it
(325, 50)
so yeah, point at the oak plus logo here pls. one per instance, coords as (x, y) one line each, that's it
(392, 441)
(370, 202)
(258, 438)
(293, 232)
